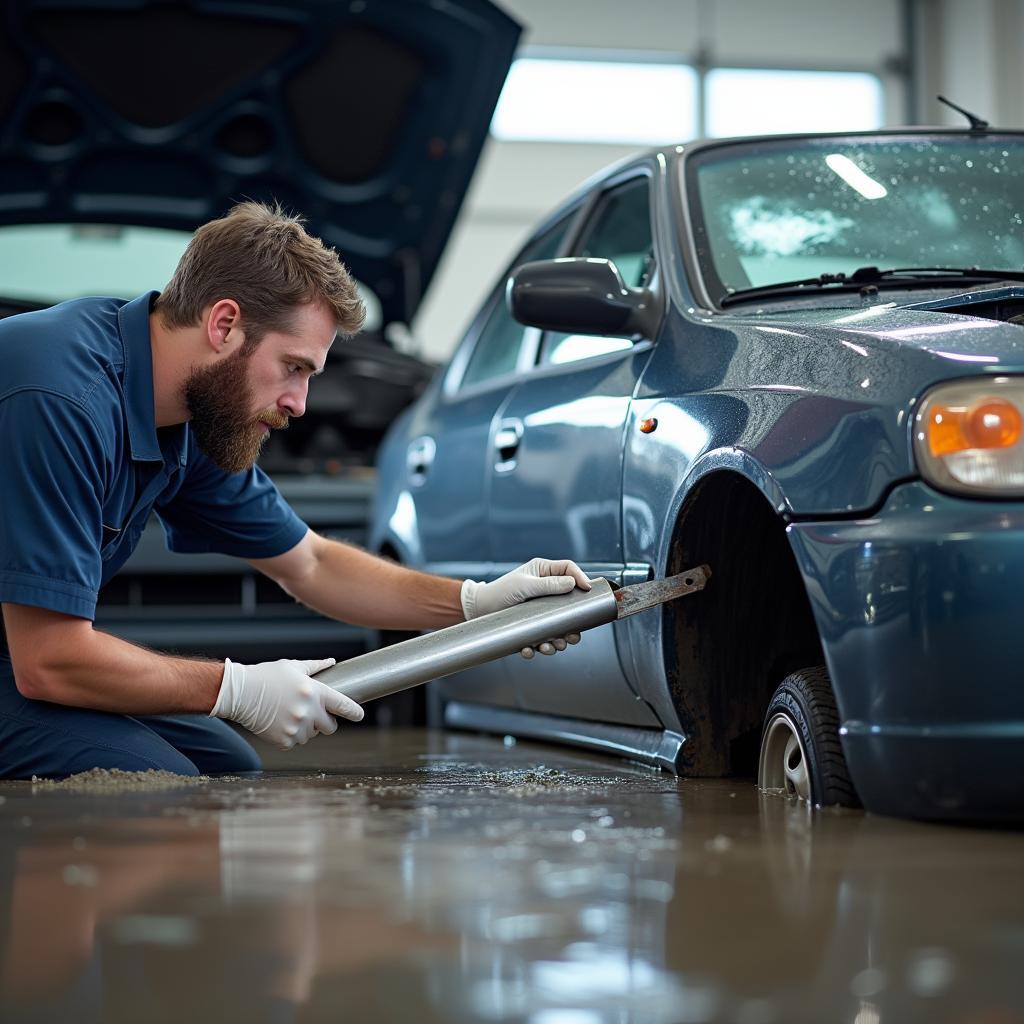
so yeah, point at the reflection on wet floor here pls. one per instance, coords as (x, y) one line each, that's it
(430, 877)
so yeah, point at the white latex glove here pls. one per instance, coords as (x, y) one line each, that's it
(537, 578)
(280, 702)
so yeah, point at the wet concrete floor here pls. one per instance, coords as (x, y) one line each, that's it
(415, 876)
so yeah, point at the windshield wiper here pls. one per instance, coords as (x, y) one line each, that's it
(865, 276)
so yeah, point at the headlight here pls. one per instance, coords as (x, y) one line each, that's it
(968, 437)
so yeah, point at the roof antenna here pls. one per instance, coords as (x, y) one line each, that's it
(977, 124)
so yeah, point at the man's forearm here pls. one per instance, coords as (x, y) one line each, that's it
(104, 673)
(355, 586)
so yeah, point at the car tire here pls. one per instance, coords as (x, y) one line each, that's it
(801, 755)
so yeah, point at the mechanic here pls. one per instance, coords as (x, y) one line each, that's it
(110, 410)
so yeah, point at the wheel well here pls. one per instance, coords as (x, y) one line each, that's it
(728, 648)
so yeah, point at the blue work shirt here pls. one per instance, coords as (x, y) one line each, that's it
(82, 463)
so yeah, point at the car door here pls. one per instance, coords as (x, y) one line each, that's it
(447, 456)
(556, 465)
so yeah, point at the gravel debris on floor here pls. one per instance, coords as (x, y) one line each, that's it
(114, 780)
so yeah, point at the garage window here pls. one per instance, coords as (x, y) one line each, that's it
(597, 96)
(641, 103)
(759, 101)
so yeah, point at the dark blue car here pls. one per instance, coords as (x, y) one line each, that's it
(801, 361)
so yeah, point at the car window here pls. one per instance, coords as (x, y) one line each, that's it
(620, 231)
(496, 352)
(49, 263)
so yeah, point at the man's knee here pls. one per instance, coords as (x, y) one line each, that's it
(209, 743)
(238, 756)
(160, 759)
(52, 741)
(76, 754)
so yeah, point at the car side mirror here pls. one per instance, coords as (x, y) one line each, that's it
(580, 296)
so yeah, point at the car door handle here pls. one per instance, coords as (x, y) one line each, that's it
(506, 443)
(419, 457)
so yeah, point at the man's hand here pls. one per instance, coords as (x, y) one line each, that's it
(537, 578)
(280, 702)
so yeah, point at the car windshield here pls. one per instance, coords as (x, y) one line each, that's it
(782, 210)
(48, 263)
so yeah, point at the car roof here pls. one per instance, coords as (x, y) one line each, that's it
(683, 151)
(680, 152)
(911, 131)
(368, 118)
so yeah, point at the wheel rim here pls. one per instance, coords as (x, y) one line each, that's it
(783, 766)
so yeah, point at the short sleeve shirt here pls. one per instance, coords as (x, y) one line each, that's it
(82, 463)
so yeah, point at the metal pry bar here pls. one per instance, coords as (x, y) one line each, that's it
(438, 654)
(641, 596)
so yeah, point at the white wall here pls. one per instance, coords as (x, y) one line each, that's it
(971, 51)
(970, 48)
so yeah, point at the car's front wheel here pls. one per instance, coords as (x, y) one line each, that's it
(800, 751)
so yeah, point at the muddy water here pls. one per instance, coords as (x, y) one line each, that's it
(421, 877)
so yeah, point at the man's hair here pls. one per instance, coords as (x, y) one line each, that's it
(266, 261)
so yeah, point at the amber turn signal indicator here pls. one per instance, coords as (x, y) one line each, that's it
(647, 426)
(990, 423)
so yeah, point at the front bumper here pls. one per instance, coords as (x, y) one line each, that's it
(920, 609)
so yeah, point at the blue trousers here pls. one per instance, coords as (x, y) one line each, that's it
(52, 741)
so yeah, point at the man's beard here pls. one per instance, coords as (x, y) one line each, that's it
(219, 398)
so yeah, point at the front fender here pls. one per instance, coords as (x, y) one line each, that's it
(657, 483)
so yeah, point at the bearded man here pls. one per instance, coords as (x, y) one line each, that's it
(111, 410)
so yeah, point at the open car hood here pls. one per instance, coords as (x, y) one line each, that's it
(367, 116)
